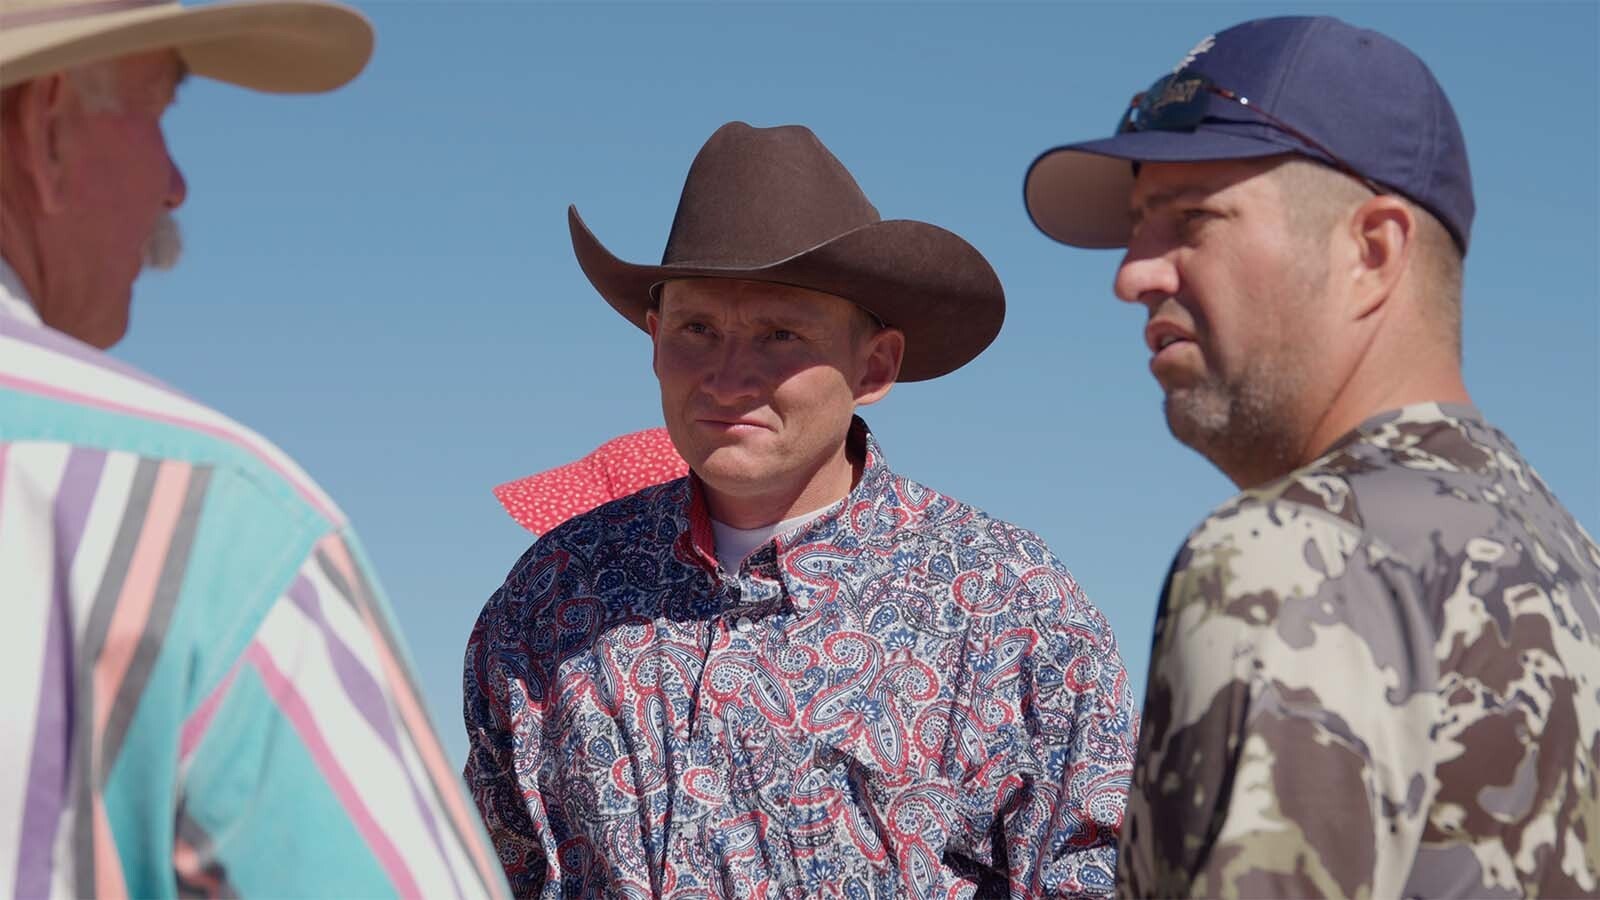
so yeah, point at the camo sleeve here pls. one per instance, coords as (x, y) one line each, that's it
(1285, 749)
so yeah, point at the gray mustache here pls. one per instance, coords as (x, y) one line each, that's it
(165, 244)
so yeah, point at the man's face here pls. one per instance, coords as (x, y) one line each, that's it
(1236, 307)
(759, 381)
(118, 188)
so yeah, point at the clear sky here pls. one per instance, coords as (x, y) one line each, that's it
(380, 279)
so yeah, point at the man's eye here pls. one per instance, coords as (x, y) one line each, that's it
(1192, 222)
(784, 334)
(696, 328)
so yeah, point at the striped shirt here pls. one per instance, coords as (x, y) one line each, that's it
(204, 693)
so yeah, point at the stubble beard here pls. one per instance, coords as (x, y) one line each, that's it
(1246, 422)
(1242, 424)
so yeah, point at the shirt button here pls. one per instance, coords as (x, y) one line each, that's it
(744, 624)
(714, 726)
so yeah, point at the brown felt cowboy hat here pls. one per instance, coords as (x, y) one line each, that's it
(283, 46)
(772, 204)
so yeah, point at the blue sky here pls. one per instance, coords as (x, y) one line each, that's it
(380, 279)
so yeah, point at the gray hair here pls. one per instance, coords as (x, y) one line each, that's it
(97, 86)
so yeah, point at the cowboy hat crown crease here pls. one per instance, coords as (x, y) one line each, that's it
(774, 205)
(741, 174)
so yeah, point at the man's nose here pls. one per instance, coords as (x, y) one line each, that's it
(177, 186)
(1145, 277)
(735, 373)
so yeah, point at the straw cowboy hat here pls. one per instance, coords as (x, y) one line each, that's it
(282, 46)
(772, 204)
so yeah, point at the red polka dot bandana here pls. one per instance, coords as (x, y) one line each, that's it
(615, 469)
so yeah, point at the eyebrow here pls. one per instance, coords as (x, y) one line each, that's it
(1167, 197)
(785, 318)
(782, 318)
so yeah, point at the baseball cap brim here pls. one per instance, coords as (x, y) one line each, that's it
(1078, 193)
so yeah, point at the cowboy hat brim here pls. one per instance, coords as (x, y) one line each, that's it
(279, 46)
(926, 281)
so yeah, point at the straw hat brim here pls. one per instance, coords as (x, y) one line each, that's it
(279, 46)
(926, 281)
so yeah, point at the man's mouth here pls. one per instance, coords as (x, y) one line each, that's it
(1161, 334)
(735, 424)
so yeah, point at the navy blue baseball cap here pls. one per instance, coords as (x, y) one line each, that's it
(1344, 96)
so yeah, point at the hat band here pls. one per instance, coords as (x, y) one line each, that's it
(41, 15)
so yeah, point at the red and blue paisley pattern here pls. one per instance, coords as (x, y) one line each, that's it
(904, 698)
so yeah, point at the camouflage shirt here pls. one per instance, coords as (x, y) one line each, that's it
(1378, 676)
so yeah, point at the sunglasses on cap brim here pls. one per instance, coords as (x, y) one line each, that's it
(1179, 102)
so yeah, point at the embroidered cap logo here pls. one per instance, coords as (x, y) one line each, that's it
(1206, 43)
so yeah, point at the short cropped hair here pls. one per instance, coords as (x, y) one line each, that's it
(1317, 197)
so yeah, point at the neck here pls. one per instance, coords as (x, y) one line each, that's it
(18, 248)
(1414, 366)
(1410, 388)
(827, 484)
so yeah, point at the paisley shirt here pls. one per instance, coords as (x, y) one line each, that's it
(902, 698)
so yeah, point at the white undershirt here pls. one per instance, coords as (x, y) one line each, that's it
(734, 544)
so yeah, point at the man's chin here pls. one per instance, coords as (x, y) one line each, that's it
(112, 333)
(730, 468)
(101, 338)
(1196, 417)
(1241, 432)
(102, 331)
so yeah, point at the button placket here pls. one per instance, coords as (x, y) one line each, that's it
(711, 733)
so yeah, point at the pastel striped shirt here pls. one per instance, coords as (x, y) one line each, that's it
(203, 691)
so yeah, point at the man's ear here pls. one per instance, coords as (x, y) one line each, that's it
(882, 354)
(1383, 237)
(652, 324)
(37, 135)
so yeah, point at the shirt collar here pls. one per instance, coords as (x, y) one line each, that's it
(14, 300)
(1377, 427)
(854, 516)
(838, 533)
